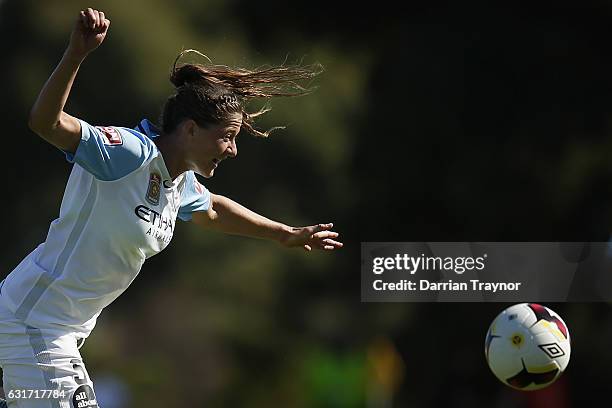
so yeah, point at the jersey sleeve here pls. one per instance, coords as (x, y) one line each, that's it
(110, 153)
(195, 197)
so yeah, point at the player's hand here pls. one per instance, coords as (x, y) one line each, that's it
(89, 32)
(317, 236)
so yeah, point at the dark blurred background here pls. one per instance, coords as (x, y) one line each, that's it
(469, 121)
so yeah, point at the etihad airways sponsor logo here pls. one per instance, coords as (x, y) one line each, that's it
(154, 218)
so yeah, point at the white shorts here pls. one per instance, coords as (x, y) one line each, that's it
(42, 367)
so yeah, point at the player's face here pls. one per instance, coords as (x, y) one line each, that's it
(217, 143)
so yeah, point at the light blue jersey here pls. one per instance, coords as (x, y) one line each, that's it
(119, 208)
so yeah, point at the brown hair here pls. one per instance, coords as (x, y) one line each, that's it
(208, 93)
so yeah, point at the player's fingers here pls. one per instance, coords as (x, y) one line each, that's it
(322, 227)
(106, 25)
(102, 20)
(335, 244)
(83, 19)
(325, 234)
(98, 21)
(91, 19)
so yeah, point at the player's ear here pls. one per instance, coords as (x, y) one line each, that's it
(189, 127)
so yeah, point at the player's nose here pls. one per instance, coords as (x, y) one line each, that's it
(232, 150)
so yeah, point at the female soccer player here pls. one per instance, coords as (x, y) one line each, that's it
(124, 194)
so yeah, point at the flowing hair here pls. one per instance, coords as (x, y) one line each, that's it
(209, 93)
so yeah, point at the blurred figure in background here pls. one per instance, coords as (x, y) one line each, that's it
(386, 372)
(111, 391)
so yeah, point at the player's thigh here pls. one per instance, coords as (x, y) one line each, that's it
(53, 377)
(25, 387)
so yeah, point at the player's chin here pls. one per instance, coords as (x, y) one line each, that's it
(208, 170)
(207, 173)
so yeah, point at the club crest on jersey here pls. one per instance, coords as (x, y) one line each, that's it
(111, 135)
(154, 189)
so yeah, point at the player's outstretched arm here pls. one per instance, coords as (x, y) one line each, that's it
(47, 117)
(226, 215)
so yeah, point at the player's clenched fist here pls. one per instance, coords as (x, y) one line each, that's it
(89, 31)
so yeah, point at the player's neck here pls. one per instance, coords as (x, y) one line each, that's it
(172, 155)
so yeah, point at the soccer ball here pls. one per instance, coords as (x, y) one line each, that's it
(527, 346)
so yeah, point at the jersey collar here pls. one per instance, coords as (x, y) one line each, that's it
(148, 128)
